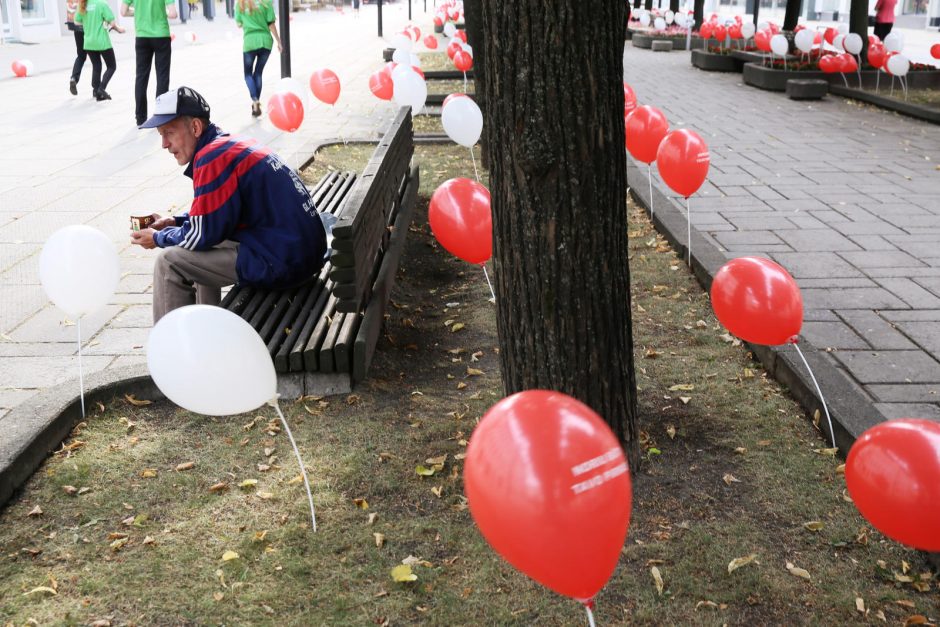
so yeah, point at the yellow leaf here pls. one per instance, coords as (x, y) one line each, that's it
(36, 511)
(905, 567)
(651, 353)
(437, 461)
(474, 372)
(149, 540)
(45, 589)
(119, 543)
(671, 432)
(658, 579)
(453, 329)
(185, 466)
(361, 503)
(740, 450)
(261, 535)
(728, 478)
(424, 472)
(738, 562)
(881, 615)
(860, 604)
(814, 525)
(265, 495)
(829, 452)
(685, 399)
(840, 469)
(148, 473)
(248, 483)
(228, 556)
(709, 604)
(379, 539)
(461, 385)
(130, 398)
(218, 487)
(437, 491)
(218, 596)
(916, 619)
(403, 573)
(797, 572)
(903, 578)
(682, 387)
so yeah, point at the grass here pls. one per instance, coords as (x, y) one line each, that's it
(732, 468)
(925, 97)
(431, 61)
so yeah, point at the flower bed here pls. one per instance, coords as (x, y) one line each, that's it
(644, 39)
(716, 61)
(771, 75)
(923, 104)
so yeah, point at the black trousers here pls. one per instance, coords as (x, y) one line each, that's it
(79, 55)
(99, 82)
(882, 29)
(155, 50)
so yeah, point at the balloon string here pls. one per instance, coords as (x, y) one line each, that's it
(465, 82)
(688, 215)
(832, 433)
(474, 160)
(649, 167)
(590, 615)
(844, 79)
(313, 516)
(81, 377)
(487, 275)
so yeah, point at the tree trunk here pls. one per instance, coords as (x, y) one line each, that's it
(756, 12)
(473, 18)
(674, 6)
(555, 126)
(637, 3)
(649, 5)
(858, 23)
(792, 15)
(698, 12)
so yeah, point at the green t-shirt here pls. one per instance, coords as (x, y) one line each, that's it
(97, 12)
(150, 17)
(255, 24)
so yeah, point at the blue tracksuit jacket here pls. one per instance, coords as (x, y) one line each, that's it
(245, 193)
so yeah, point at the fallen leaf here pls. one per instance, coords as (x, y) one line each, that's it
(228, 556)
(903, 578)
(119, 543)
(683, 387)
(423, 471)
(36, 511)
(265, 495)
(149, 540)
(261, 535)
(248, 483)
(461, 385)
(218, 487)
(101, 622)
(860, 604)
(453, 329)
(671, 432)
(916, 619)
(69, 489)
(881, 615)
(829, 452)
(379, 539)
(840, 469)
(372, 517)
(905, 567)
(83, 490)
(130, 398)
(738, 562)
(148, 473)
(740, 450)
(440, 460)
(474, 372)
(658, 579)
(728, 478)
(685, 399)
(361, 503)
(709, 604)
(218, 596)
(45, 589)
(651, 354)
(814, 525)
(905, 603)
(798, 572)
(185, 466)
(403, 573)
(437, 491)
(263, 468)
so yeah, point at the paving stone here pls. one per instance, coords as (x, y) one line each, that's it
(916, 315)
(825, 240)
(36, 227)
(135, 283)
(808, 265)
(37, 349)
(134, 316)
(875, 227)
(909, 393)
(891, 366)
(119, 341)
(925, 334)
(750, 238)
(909, 410)
(820, 315)
(873, 242)
(10, 397)
(751, 224)
(880, 333)
(43, 372)
(852, 298)
(836, 335)
(911, 293)
(49, 325)
(836, 283)
(881, 259)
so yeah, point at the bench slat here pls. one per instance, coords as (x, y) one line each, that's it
(317, 301)
(311, 349)
(342, 350)
(327, 361)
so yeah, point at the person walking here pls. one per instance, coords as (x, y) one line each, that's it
(97, 20)
(356, 7)
(256, 19)
(884, 17)
(152, 46)
(71, 8)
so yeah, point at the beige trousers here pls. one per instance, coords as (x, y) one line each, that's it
(185, 277)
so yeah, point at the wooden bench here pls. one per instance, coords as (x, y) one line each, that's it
(322, 335)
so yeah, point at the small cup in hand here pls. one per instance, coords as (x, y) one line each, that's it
(139, 223)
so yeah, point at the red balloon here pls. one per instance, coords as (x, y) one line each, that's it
(645, 128)
(463, 61)
(876, 55)
(461, 35)
(629, 100)
(762, 40)
(774, 28)
(450, 97)
(682, 159)
(888, 56)
(873, 39)
(19, 69)
(325, 86)
(418, 71)
(438, 22)
(706, 31)
(286, 111)
(848, 62)
(757, 301)
(417, 32)
(430, 42)
(461, 219)
(830, 35)
(548, 485)
(388, 67)
(935, 51)
(720, 32)
(738, 19)
(734, 31)
(453, 48)
(380, 83)
(893, 476)
(817, 39)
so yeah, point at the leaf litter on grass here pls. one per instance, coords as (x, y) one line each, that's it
(686, 523)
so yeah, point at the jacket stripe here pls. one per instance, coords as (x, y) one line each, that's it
(209, 202)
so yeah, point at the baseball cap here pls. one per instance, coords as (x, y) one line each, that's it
(177, 102)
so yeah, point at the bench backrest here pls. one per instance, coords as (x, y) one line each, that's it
(362, 231)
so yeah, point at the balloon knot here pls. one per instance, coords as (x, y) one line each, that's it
(589, 604)
(793, 339)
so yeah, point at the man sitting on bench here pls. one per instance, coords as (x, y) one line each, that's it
(252, 220)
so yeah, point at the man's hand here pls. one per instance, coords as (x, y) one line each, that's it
(161, 223)
(143, 238)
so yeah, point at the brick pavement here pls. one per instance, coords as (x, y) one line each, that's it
(67, 159)
(846, 197)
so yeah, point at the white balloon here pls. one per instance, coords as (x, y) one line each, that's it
(294, 86)
(679, 20)
(843, 28)
(28, 65)
(670, 17)
(414, 60)
(645, 19)
(450, 29)
(894, 42)
(659, 24)
(79, 269)
(467, 48)
(748, 29)
(190, 37)
(763, 26)
(898, 64)
(838, 41)
(401, 41)
(852, 43)
(409, 89)
(779, 45)
(401, 56)
(804, 40)
(463, 121)
(210, 361)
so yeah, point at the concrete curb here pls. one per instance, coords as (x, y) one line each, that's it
(851, 410)
(36, 428)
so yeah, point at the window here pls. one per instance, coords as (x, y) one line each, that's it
(33, 9)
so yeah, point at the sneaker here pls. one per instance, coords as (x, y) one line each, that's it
(73, 87)
(102, 95)
(256, 109)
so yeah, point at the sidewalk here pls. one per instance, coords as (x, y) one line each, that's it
(71, 160)
(842, 195)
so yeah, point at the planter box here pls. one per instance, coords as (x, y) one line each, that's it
(711, 62)
(447, 75)
(645, 40)
(436, 100)
(776, 79)
(892, 104)
(748, 56)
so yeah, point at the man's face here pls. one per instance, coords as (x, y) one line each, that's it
(180, 137)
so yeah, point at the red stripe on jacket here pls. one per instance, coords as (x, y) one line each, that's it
(207, 203)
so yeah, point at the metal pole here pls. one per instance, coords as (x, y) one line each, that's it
(284, 17)
(380, 18)
(409, 9)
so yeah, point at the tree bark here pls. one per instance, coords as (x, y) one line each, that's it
(649, 5)
(858, 23)
(473, 18)
(674, 6)
(698, 13)
(555, 127)
(792, 15)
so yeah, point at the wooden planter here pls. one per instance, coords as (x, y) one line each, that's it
(892, 104)
(645, 40)
(775, 79)
(712, 62)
